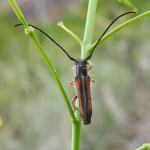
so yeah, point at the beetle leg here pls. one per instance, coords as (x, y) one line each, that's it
(93, 81)
(90, 67)
(73, 68)
(71, 82)
(73, 100)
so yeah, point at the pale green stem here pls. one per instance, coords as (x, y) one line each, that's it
(70, 32)
(31, 34)
(76, 131)
(87, 40)
(18, 13)
(119, 28)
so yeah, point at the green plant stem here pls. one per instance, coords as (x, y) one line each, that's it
(144, 147)
(53, 71)
(18, 13)
(70, 32)
(87, 40)
(76, 131)
(119, 28)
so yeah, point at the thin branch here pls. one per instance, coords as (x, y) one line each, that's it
(18, 13)
(119, 28)
(88, 33)
(70, 32)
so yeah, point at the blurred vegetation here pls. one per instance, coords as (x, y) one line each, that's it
(33, 113)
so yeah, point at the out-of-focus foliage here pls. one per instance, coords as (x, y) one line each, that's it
(32, 109)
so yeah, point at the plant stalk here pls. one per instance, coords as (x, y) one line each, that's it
(70, 32)
(119, 28)
(76, 131)
(53, 71)
(18, 12)
(87, 40)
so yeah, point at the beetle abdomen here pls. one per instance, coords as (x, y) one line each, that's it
(84, 97)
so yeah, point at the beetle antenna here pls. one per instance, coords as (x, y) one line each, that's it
(89, 57)
(49, 38)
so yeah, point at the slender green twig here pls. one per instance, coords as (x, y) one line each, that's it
(31, 34)
(119, 28)
(87, 40)
(76, 129)
(70, 32)
(18, 12)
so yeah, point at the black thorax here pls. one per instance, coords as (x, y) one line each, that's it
(81, 69)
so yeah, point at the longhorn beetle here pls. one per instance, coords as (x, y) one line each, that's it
(82, 80)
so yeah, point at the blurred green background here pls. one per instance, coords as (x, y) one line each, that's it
(32, 109)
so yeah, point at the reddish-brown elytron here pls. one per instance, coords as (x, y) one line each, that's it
(82, 80)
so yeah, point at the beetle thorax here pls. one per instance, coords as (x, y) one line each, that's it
(81, 69)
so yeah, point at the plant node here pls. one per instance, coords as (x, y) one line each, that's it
(29, 31)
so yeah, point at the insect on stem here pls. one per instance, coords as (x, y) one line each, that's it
(82, 80)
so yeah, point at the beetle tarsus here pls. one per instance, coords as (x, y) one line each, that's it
(71, 82)
(90, 67)
(93, 81)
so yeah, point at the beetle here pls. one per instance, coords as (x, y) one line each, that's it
(82, 80)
